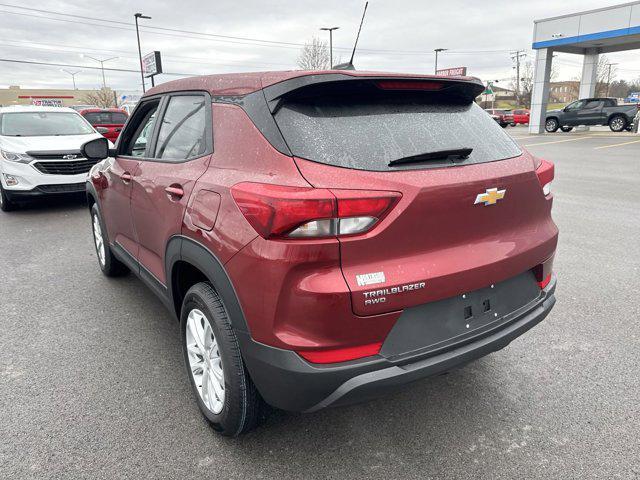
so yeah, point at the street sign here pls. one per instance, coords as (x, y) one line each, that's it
(151, 64)
(452, 72)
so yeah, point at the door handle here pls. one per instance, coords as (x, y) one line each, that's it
(125, 177)
(175, 191)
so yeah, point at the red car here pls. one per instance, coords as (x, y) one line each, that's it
(504, 118)
(107, 121)
(521, 117)
(324, 237)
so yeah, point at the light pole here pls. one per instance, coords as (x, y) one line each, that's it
(330, 30)
(137, 16)
(73, 76)
(104, 82)
(438, 50)
(609, 77)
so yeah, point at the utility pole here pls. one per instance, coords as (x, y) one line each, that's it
(73, 76)
(609, 65)
(438, 50)
(104, 82)
(330, 30)
(137, 16)
(516, 56)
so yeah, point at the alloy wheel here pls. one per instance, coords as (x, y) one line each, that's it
(205, 362)
(98, 238)
(617, 124)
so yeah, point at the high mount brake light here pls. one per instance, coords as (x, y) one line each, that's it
(276, 211)
(409, 85)
(545, 172)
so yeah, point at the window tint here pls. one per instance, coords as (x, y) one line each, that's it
(367, 133)
(576, 105)
(183, 128)
(105, 118)
(592, 104)
(137, 135)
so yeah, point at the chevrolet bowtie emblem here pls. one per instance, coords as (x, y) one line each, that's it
(490, 197)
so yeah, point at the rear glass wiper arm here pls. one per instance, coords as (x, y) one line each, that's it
(461, 153)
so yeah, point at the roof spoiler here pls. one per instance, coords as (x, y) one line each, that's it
(464, 89)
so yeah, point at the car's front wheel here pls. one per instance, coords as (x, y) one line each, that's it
(6, 205)
(551, 125)
(109, 264)
(223, 388)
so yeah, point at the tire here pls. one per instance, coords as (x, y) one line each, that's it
(235, 406)
(504, 125)
(551, 125)
(566, 129)
(618, 123)
(513, 124)
(6, 205)
(109, 264)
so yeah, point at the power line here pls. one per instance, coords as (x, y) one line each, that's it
(86, 67)
(200, 60)
(215, 37)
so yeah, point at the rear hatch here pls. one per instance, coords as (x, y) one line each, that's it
(462, 223)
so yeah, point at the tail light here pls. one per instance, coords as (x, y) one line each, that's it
(543, 272)
(340, 354)
(276, 211)
(545, 172)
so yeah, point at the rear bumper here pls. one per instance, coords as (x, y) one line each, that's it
(288, 382)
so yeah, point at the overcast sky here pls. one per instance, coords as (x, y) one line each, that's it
(398, 35)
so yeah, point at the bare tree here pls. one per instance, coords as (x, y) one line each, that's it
(604, 76)
(314, 55)
(103, 98)
(526, 82)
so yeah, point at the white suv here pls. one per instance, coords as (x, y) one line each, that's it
(40, 152)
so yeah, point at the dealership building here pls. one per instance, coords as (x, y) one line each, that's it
(588, 34)
(14, 95)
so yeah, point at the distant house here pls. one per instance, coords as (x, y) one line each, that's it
(564, 92)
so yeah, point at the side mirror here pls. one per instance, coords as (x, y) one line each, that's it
(97, 149)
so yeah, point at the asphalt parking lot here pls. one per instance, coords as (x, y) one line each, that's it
(92, 381)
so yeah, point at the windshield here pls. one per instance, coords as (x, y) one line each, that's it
(367, 134)
(37, 124)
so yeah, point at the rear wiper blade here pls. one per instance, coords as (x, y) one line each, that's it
(461, 153)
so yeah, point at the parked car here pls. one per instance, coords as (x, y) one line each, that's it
(324, 238)
(521, 116)
(79, 108)
(107, 121)
(505, 118)
(592, 111)
(40, 152)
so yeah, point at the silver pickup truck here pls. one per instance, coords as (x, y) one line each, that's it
(592, 111)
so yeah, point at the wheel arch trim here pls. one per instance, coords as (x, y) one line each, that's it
(184, 249)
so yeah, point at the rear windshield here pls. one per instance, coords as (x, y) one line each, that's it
(36, 124)
(106, 118)
(367, 134)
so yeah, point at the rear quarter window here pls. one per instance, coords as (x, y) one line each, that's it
(366, 134)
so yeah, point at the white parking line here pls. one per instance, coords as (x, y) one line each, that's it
(556, 141)
(617, 144)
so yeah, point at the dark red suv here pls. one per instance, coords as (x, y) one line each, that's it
(107, 121)
(324, 237)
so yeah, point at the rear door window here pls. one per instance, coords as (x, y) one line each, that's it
(367, 133)
(183, 131)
